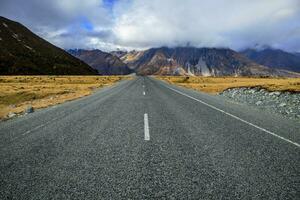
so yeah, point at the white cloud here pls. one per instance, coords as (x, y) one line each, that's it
(147, 23)
(232, 23)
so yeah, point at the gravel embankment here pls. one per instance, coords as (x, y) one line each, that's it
(284, 103)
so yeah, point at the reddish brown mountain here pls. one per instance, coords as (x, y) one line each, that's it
(196, 61)
(274, 58)
(104, 63)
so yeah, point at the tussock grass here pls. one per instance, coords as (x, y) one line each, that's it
(215, 85)
(17, 92)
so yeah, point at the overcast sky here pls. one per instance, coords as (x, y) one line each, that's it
(140, 24)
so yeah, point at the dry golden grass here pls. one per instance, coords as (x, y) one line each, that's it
(215, 85)
(17, 92)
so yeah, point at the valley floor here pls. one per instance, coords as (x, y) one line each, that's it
(215, 85)
(19, 92)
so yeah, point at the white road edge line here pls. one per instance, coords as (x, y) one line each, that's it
(35, 128)
(146, 127)
(235, 117)
(40, 126)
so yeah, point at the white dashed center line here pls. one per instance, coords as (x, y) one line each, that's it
(146, 127)
(144, 93)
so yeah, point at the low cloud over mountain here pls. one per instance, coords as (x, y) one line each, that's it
(141, 24)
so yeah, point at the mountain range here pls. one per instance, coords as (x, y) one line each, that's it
(274, 58)
(297, 54)
(104, 63)
(197, 61)
(24, 53)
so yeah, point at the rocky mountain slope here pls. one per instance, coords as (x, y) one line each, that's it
(131, 58)
(23, 52)
(118, 53)
(274, 58)
(104, 63)
(297, 54)
(196, 61)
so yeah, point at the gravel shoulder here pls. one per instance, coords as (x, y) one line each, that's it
(284, 103)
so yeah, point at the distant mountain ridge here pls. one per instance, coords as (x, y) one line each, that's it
(297, 54)
(24, 53)
(105, 63)
(274, 58)
(196, 61)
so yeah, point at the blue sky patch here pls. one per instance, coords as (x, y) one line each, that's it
(86, 24)
(109, 4)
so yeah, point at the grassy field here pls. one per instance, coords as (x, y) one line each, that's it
(215, 85)
(18, 92)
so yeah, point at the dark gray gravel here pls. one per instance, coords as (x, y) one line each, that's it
(94, 148)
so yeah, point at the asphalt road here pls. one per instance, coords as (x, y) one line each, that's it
(145, 139)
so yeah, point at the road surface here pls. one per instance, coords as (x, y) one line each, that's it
(145, 139)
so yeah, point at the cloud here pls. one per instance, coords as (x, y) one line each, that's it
(66, 23)
(110, 24)
(226, 23)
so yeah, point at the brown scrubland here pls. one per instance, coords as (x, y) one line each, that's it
(19, 92)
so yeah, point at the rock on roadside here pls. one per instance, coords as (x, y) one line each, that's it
(11, 115)
(29, 110)
(284, 103)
